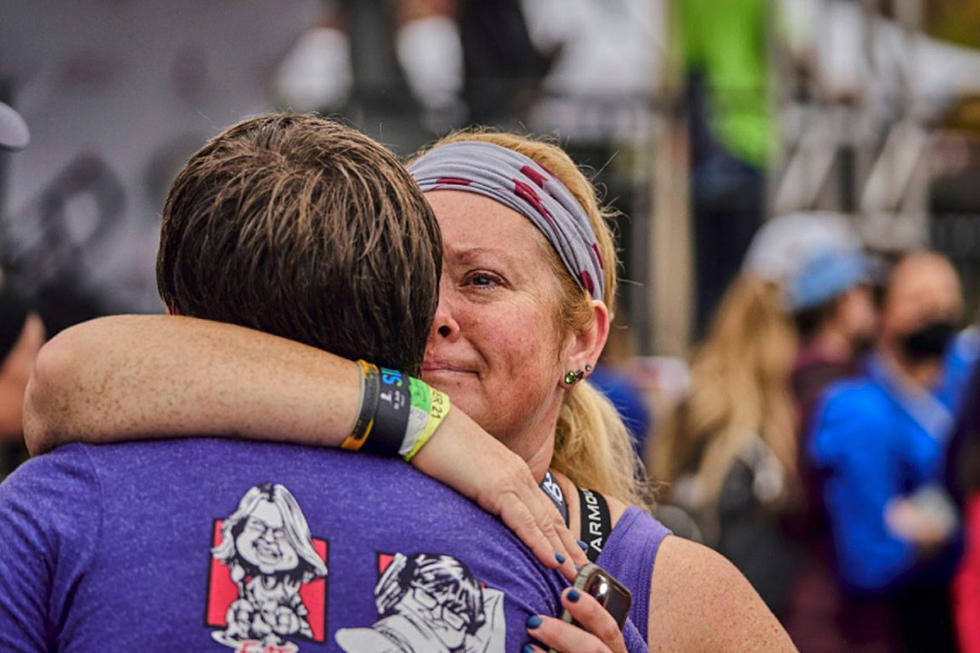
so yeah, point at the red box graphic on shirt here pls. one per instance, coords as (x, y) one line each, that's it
(223, 591)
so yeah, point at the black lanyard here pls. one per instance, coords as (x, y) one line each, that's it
(596, 521)
(553, 491)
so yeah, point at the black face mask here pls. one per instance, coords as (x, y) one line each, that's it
(928, 341)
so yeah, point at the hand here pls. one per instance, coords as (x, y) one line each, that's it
(927, 528)
(598, 633)
(474, 463)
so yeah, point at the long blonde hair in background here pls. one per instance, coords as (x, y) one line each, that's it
(739, 390)
(592, 445)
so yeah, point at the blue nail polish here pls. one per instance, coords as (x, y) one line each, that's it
(582, 545)
(573, 595)
(560, 558)
(533, 621)
(527, 649)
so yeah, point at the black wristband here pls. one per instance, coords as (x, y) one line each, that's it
(391, 418)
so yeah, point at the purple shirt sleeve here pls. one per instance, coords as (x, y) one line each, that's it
(630, 554)
(50, 516)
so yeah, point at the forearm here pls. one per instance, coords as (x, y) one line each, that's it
(127, 377)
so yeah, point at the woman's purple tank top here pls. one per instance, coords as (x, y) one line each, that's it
(629, 555)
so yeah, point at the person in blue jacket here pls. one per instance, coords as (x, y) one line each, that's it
(880, 440)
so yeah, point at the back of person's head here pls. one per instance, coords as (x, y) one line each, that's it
(739, 389)
(592, 445)
(304, 228)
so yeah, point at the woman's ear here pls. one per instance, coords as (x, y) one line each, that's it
(584, 348)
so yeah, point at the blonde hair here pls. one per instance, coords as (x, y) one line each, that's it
(739, 390)
(592, 445)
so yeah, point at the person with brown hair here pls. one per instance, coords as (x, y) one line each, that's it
(246, 240)
(529, 265)
(298, 227)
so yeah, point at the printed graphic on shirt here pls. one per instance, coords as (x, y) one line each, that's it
(429, 602)
(267, 577)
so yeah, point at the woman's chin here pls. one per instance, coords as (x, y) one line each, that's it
(452, 382)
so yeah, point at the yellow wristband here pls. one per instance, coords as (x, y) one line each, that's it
(438, 410)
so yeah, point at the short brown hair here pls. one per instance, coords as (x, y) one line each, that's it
(304, 228)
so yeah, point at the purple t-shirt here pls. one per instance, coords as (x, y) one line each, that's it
(218, 545)
(629, 554)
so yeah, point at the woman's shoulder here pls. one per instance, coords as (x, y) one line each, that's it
(630, 554)
(693, 590)
(633, 521)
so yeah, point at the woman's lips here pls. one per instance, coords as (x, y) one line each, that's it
(431, 367)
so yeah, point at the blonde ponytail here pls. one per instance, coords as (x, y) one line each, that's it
(594, 449)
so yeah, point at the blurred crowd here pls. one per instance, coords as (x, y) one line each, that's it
(822, 432)
(813, 447)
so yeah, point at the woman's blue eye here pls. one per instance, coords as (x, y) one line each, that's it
(483, 280)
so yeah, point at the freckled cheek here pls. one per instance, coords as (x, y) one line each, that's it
(533, 363)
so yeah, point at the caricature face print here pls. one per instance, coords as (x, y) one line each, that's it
(430, 602)
(267, 552)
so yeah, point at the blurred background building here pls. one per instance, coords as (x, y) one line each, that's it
(700, 119)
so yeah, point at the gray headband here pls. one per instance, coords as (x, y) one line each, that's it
(517, 182)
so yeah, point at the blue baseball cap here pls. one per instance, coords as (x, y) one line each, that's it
(825, 276)
(813, 256)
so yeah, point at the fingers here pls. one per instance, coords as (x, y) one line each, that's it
(553, 526)
(596, 631)
(593, 617)
(574, 546)
(546, 546)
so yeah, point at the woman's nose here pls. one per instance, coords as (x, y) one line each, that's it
(444, 326)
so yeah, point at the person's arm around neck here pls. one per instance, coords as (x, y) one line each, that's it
(701, 602)
(145, 376)
(141, 377)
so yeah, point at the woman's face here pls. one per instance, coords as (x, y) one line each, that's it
(494, 347)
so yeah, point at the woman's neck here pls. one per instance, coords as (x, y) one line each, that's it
(539, 455)
(535, 443)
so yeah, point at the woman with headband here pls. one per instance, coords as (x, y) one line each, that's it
(528, 264)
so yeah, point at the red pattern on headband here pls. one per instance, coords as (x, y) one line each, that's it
(598, 256)
(534, 176)
(525, 186)
(453, 181)
(529, 195)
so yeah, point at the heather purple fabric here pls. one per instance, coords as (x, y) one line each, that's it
(629, 555)
(116, 547)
